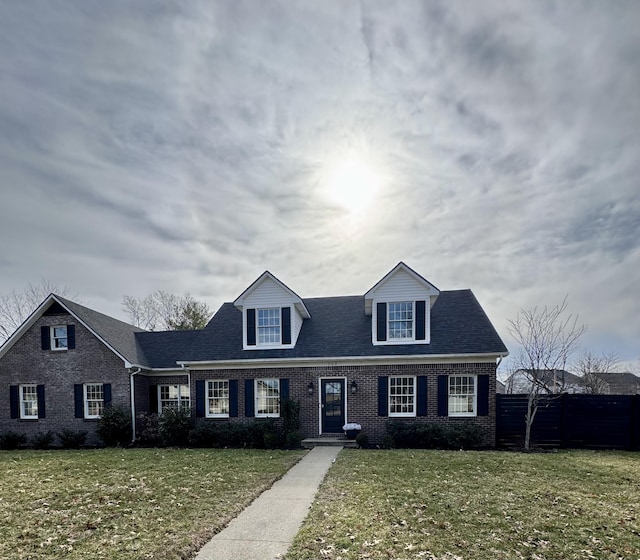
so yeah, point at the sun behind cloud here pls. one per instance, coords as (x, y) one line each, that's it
(352, 184)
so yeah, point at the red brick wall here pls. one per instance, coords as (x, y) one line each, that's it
(90, 361)
(363, 406)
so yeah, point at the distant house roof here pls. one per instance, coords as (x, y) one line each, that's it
(339, 328)
(554, 381)
(620, 383)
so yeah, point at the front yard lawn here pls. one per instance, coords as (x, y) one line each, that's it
(124, 504)
(475, 505)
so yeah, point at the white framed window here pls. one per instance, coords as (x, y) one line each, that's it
(217, 399)
(268, 326)
(59, 340)
(28, 402)
(400, 320)
(463, 390)
(93, 400)
(173, 396)
(402, 396)
(267, 393)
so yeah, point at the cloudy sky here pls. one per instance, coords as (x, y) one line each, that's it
(189, 146)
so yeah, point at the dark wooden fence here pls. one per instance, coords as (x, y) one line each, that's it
(573, 421)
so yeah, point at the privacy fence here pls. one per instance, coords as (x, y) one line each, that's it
(571, 421)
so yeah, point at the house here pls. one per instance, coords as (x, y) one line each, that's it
(624, 383)
(403, 350)
(550, 381)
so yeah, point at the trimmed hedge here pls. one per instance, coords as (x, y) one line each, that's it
(420, 435)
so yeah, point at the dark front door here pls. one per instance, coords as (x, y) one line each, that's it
(332, 405)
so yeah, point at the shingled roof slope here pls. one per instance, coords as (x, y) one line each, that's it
(117, 334)
(338, 327)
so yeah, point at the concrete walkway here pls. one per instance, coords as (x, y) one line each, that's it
(265, 529)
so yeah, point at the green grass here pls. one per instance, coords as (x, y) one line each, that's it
(124, 504)
(475, 505)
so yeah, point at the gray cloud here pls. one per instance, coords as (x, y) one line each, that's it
(182, 146)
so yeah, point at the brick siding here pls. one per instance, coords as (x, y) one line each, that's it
(363, 406)
(90, 361)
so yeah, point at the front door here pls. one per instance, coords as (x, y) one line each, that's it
(332, 405)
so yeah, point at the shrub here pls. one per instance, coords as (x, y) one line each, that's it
(362, 440)
(71, 439)
(43, 440)
(293, 440)
(149, 433)
(174, 425)
(12, 440)
(434, 435)
(114, 426)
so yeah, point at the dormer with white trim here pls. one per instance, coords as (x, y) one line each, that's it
(400, 307)
(272, 314)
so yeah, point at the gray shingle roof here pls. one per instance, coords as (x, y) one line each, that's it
(117, 334)
(338, 327)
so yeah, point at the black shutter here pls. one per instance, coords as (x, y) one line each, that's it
(421, 409)
(106, 392)
(286, 325)
(40, 393)
(45, 337)
(420, 320)
(483, 395)
(78, 397)
(233, 398)
(71, 337)
(443, 395)
(251, 327)
(382, 322)
(284, 389)
(383, 395)
(153, 399)
(249, 404)
(200, 398)
(14, 401)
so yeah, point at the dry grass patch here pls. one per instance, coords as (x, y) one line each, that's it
(117, 504)
(571, 505)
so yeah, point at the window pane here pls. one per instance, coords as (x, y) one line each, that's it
(400, 319)
(218, 398)
(462, 394)
(29, 400)
(59, 337)
(267, 397)
(269, 326)
(402, 396)
(94, 399)
(174, 396)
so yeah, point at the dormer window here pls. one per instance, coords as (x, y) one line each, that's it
(400, 316)
(400, 308)
(272, 314)
(268, 326)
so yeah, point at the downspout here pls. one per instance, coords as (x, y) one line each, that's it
(186, 370)
(133, 403)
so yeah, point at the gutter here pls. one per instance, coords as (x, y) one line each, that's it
(335, 361)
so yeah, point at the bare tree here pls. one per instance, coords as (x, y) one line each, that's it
(165, 311)
(18, 305)
(548, 337)
(589, 365)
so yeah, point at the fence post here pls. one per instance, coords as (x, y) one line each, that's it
(564, 415)
(634, 425)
